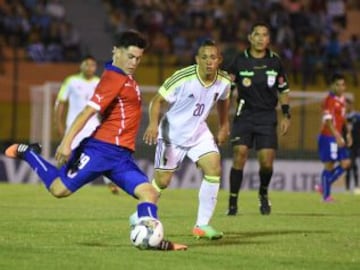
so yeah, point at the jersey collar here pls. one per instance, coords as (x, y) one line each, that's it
(201, 81)
(268, 53)
(110, 66)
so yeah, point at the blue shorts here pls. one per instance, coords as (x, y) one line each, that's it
(93, 158)
(329, 150)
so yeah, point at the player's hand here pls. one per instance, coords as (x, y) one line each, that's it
(222, 135)
(284, 125)
(340, 141)
(150, 135)
(62, 154)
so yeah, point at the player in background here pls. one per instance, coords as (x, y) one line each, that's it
(190, 94)
(261, 83)
(109, 150)
(331, 143)
(353, 120)
(74, 93)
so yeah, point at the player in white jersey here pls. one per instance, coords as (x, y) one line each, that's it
(75, 92)
(191, 93)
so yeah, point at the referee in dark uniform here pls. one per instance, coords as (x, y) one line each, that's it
(260, 82)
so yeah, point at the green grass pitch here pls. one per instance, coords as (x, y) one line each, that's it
(90, 230)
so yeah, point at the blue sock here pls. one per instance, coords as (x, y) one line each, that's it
(336, 173)
(325, 183)
(46, 171)
(147, 209)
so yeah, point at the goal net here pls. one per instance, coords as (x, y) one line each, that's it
(299, 143)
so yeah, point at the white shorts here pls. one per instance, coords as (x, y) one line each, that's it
(170, 156)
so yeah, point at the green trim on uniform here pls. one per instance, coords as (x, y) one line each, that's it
(212, 179)
(247, 73)
(155, 185)
(271, 72)
(181, 74)
(68, 80)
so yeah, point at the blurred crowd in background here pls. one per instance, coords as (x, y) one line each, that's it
(41, 28)
(304, 32)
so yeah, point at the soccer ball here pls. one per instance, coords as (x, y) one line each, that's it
(147, 233)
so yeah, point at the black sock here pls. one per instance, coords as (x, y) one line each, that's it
(265, 177)
(236, 177)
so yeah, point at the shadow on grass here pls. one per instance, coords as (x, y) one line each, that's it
(230, 238)
(299, 215)
(98, 244)
(247, 238)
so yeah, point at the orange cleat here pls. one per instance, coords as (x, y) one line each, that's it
(18, 150)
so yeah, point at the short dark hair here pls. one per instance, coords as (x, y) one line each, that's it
(206, 42)
(259, 23)
(88, 57)
(131, 38)
(337, 76)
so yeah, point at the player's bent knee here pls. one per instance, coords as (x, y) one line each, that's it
(162, 183)
(58, 189)
(146, 192)
(162, 179)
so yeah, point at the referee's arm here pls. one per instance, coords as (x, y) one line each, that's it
(285, 109)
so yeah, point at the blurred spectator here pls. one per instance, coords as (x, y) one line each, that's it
(54, 47)
(40, 19)
(36, 49)
(336, 11)
(55, 9)
(353, 46)
(332, 52)
(70, 41)
(16, 24)
(310, 57)
(347, 63)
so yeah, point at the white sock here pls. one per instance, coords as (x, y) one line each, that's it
(207, 199)
(106, 180)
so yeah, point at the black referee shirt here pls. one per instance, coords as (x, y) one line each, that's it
(259, 80)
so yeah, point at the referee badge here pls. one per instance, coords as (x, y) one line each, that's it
(271, 80)
(246, 82)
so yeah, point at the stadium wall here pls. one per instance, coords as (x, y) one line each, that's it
(289, 175)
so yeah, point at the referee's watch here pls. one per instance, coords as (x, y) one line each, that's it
(285, 108)
(287, 115)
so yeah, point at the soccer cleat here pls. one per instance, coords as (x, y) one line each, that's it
(329, 199)
(318, 189)
(232, 211)
(18, 150)
(206, 231)
(167, 245)
(264, 205)
(133, 219)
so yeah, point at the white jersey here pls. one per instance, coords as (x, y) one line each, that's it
(77, 91)
(190, 102)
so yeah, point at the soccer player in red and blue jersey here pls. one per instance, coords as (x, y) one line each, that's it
(108, 151)
(332, 145)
